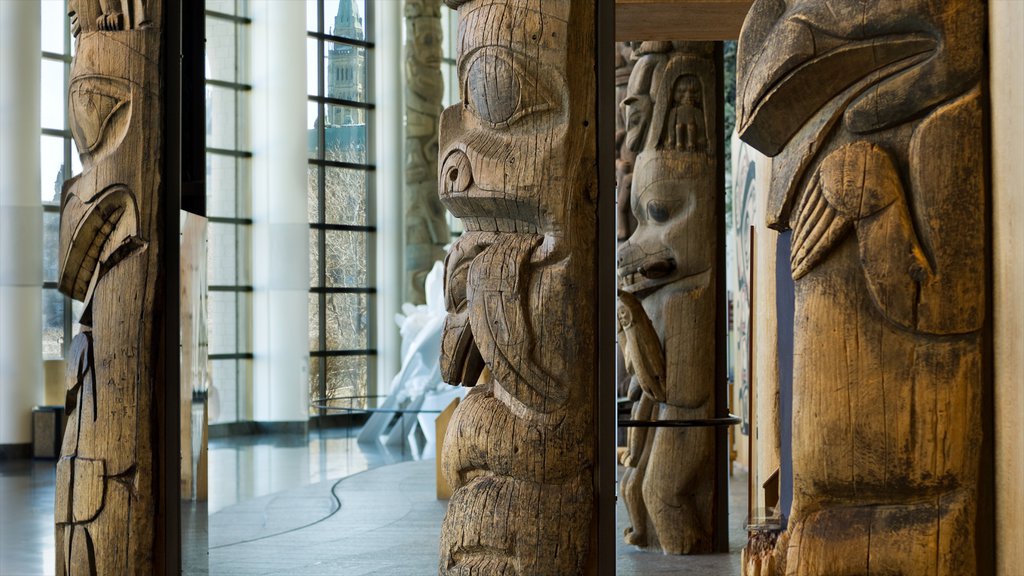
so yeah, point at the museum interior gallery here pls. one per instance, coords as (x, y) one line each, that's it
(512, 287)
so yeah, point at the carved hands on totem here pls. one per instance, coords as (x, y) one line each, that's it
(108, 15)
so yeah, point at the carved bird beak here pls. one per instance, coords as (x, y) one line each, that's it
(798, 70)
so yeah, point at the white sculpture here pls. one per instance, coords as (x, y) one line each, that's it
(418, 394)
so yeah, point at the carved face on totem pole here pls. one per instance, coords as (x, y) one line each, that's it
(873, 113)
(667, 281)
(517, 166)
(673, 195)
(108, 260)
(424, 17)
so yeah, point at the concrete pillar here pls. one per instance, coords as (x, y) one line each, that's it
(280, 229)
(1007, 89)
(388, 92)
(21, 221)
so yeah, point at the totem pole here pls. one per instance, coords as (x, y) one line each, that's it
(518, 165)
(109, 259)
(668, 296)
(874, 114)
(426, 230)
(625, 223)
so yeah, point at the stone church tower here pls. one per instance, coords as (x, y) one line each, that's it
(346, 70)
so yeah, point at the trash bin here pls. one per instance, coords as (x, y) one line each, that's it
(48, 424)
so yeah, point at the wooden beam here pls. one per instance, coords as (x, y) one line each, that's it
(679, 19)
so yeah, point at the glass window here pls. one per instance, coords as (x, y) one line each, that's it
(58, 162)
(340, 121)
(54, 326)
(228, 198)
(51, 249)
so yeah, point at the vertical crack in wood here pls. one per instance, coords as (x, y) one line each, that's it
(519, 167)
(877, 115)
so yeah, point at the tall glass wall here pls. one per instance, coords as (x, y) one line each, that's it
(341, 192)
(228, 202)
(58, 162)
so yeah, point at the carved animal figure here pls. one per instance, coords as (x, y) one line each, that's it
(109, 245)
(667, 272)
(873, 111)
(518, 159)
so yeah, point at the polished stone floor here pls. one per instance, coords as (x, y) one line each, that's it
(316, 504)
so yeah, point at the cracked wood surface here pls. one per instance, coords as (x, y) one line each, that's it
(670, 20)
(106, 492)
(667, 296)
(518, 166)
(874, 116)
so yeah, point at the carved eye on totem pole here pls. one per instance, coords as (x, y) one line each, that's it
(96, 105)
(875, 119)
(498, 91)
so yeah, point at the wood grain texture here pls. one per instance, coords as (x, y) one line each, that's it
(874, 117)
(106, 510)
(674, 19)
(426, 229)
(444, 490)
(667, 299)
(518, 166)
(1006, 51)
(625, 156)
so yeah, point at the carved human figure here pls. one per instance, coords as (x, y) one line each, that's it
(426, 229)
(667, 271)
(518, 167)
(879, 172)
(686, 129)
(109, 244)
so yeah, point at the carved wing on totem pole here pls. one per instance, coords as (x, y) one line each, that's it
(873, 113)
(105, 490)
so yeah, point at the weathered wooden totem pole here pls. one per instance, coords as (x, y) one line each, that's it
(667, 299)
(624, 156)
(109, 232)
(873, 112)
(426, 230)
(518, 165)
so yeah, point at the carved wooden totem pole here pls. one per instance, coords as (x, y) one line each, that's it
(873, 111)
(518, 165)
(667, 299)
(106, 490)
(426, 229)
(624, 157)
